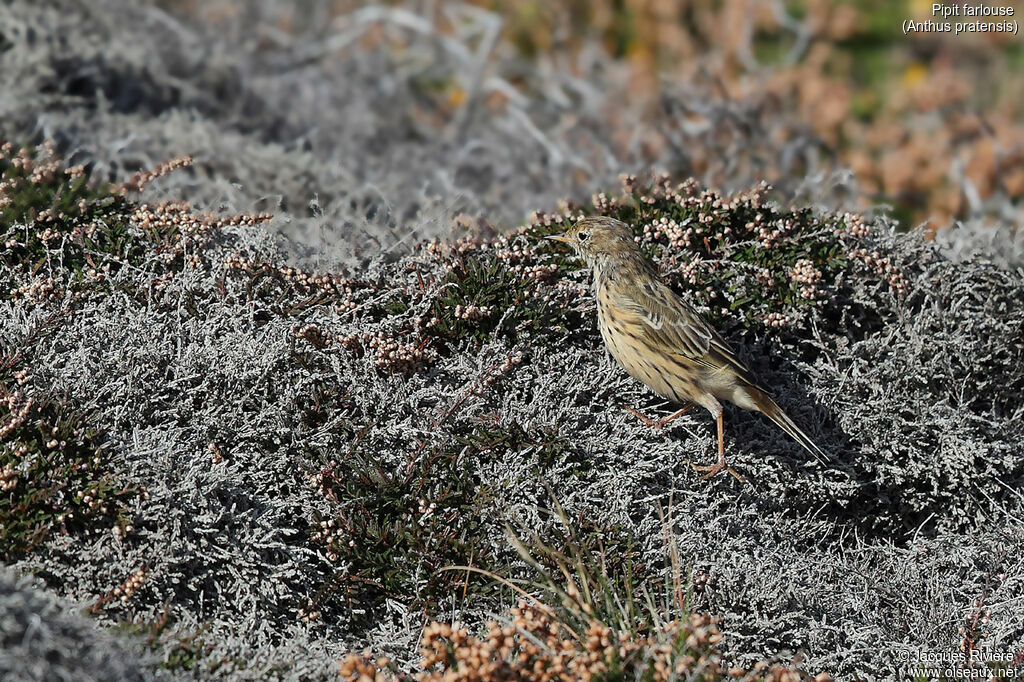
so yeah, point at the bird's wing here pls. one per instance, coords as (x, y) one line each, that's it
(673, 327)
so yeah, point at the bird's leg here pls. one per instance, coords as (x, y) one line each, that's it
(720, 464)
(658, 423)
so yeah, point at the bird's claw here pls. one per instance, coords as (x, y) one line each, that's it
(653, 423)
(716, 468)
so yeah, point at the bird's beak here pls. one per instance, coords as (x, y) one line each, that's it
(560, 238)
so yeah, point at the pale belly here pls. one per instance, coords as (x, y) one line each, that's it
(672, 376)
(668, 379)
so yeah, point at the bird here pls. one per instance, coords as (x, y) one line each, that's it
(661, 341)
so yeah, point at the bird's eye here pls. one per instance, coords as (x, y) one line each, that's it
(583, 236)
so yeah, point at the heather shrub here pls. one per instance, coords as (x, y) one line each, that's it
(304, 422)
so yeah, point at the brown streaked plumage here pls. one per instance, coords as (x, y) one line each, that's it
(661, 341)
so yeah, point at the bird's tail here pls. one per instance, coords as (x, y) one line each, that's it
(768, 407)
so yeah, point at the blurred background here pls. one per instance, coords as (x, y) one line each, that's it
(368, 125)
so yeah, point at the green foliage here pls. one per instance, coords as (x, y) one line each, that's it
(34, 182)
(515, 311)
(721, 235)
(64, 234)
(56, 476)
(744, 262)
(179, 652)
(481, 282)
(741, 259)
(323, 401)
(493, 439)
(50, 214)
(396, 526)
(593, 573)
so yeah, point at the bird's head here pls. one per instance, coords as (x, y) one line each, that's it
(600, 239)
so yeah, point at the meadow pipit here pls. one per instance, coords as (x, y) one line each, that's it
(662, 341)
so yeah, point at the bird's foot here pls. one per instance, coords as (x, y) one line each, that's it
(716, 468)
(657, 423)
(653, 423)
